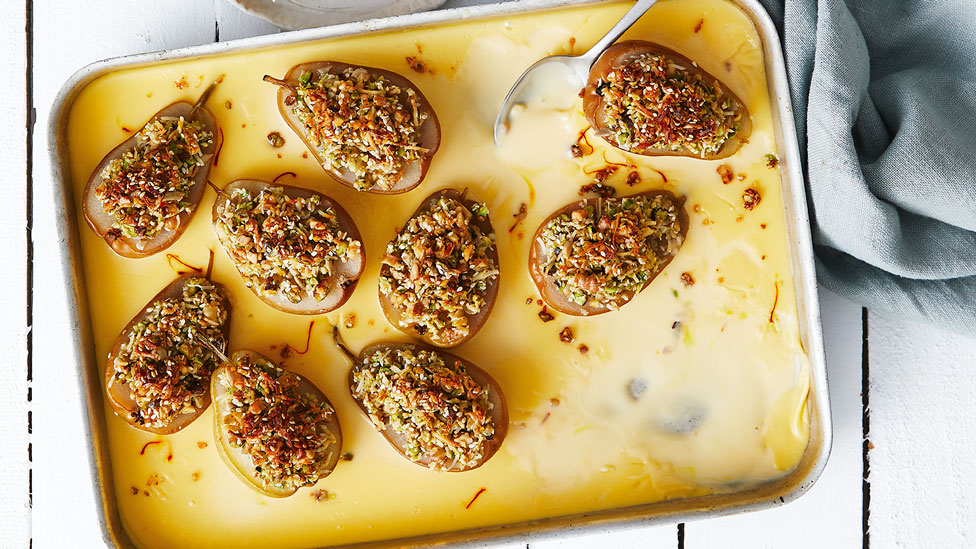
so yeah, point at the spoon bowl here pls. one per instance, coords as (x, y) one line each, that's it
(539, 78)
(568, 70)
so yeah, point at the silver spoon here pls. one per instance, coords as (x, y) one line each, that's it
(576, 69)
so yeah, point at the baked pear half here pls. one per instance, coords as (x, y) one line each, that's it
(141, 196)
(157, 376)
(371, 129)
(647, 99)
(296, 249)
(593, 256)
(439, 278)
(275, 429)
(436, 409)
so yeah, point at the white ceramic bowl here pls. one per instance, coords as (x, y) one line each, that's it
(304, 14)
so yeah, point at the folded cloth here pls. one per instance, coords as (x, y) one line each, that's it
(884, 95)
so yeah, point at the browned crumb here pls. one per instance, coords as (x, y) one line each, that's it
(416, 64)
(762, 226)
(220, 79)
(725, 173)
(870, 445)
(285, 352)
(554, 401)
(126, 130)
(135, 491)
(741, 177)
(145, 493)
(538, 302)
(195, 476)
(696, 208)
(545, 315)
(228, 105)
(699, 24)
(772, 161)
(601, 190)
(687, 279)
(751, 198)
(566, 335)
(350, 321)
(633, 178)
(275, 140)
(243, 126)
(602, 174)
(319, 495)
(371, 322)
(154, 480)
(519, 216)
(181, 83)
(583, 349)
(528, 300)
(575, 150)
(739, 219)
(346, 456)
(201, 445)
(305, 154)
(290, 100)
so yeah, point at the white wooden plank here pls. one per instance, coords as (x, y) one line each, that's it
(922, 430)
(829, 515)
(68, 36)
(655, 537)
(14, 506)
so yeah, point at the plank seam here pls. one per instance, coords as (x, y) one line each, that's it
(865, 432)
(29, 211)
(31, 117)
(681, 535)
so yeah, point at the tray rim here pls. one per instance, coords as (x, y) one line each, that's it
(763, 496)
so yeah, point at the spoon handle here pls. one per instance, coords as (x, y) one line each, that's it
(627, 21)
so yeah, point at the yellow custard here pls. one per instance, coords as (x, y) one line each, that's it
(687, 390)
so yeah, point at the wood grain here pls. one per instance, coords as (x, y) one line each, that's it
(923, 473)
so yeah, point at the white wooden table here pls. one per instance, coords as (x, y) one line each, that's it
(901, 470)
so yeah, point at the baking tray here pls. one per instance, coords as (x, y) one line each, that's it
(763, 496)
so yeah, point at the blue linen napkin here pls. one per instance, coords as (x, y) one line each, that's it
(884, 94)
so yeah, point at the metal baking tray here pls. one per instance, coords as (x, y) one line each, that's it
(763, 496)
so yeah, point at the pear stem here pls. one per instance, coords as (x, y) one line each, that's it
(341, 344)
